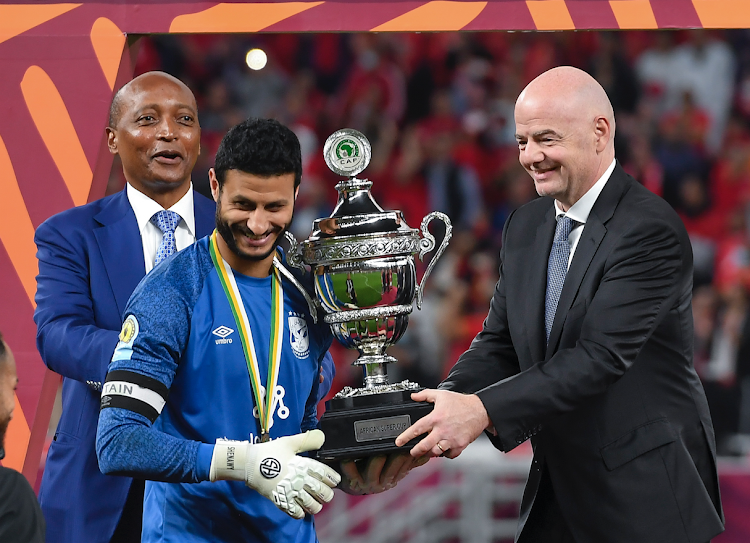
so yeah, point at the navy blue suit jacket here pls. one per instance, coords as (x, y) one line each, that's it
(90, 261)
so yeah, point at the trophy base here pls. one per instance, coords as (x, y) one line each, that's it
(367, 425)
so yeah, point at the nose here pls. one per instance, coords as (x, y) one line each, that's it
(257, 221)
(531, 154)
(167, 129)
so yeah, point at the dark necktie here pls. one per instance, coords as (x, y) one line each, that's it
(557, 269)
(167, 222)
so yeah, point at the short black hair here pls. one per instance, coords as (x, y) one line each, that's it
(115, 108)
(262, 147)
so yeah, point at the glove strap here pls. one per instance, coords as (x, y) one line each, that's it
(228, 461)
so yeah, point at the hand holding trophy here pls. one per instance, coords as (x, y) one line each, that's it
(362, 261)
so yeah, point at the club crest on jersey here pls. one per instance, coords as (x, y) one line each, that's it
(129, 330)
(299, 338)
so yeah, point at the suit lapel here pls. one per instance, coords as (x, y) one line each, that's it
(537, 277)
(121, 248)
(205, 220)
(591, 237)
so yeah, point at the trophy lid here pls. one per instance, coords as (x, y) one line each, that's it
(356, 216)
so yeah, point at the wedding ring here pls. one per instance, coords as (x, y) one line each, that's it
(439, 447)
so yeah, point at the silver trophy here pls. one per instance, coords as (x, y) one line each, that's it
(362, 261)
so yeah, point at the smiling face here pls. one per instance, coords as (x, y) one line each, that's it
(565, 131)
(252, 213)
(157, 135)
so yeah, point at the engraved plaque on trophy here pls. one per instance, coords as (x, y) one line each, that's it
(362, 261)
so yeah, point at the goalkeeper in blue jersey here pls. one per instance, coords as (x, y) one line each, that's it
(212, 388)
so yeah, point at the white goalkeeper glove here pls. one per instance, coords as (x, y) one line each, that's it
(296, 484)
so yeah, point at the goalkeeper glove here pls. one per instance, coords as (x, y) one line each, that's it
(296, 484)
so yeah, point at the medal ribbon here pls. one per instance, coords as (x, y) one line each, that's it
(228, 282)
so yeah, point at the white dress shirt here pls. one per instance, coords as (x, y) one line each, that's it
(580, 211)
(145, 208)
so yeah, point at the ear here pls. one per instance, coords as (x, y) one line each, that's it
(602, 132)
(296, 193)
(214, 183)
(111, 140)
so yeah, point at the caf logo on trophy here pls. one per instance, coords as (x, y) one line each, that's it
(347, 152)
(362, 261)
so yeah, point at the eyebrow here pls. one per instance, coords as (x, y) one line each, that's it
(242, 200)
(540, 133)
(160, 106)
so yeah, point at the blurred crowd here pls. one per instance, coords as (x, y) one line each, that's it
(438, 110)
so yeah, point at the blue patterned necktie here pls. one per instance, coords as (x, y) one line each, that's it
(167, 222)
(557, 269)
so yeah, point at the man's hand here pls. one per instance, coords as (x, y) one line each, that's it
(296, 484)
(377, 473)
(455, 421)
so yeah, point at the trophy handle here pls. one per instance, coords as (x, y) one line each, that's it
(311, 304)
(294, 256)
(427, 244)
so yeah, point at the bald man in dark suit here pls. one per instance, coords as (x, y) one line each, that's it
(587, 347)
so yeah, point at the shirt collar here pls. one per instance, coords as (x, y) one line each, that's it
(580, 211)
(144, 207)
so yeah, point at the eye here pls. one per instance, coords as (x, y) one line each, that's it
(146, 118)
(187, 119)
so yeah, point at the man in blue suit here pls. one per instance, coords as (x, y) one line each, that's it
(90, 260)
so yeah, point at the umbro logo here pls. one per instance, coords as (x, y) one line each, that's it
(223, 332)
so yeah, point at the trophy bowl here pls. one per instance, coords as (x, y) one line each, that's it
(362, 261)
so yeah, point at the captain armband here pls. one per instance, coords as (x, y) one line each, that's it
(134, 392)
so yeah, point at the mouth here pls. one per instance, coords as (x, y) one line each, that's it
(167, 156)
(542, 175)
(255, 241)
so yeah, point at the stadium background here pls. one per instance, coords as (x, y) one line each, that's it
(438, 109)
(61, 63)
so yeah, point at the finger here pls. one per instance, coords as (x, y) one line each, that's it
(374, 469)
(307, 502)
(425, 447)
(453, 453)
(293, 509)
(396, 468)
(320, 492)
(421, 461)
(351, 475)
(426, 395)
(322, 378)
(422, 426)
(311, 440)
(323, 473)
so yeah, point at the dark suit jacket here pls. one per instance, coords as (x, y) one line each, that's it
(618, 416)
(20, 516)
(90, 260)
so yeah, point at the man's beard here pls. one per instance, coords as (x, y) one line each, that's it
(3, 428)
(227, 233)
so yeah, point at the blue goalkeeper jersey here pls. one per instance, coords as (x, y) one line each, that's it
(180, 341)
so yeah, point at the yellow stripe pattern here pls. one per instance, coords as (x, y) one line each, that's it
(228, 282)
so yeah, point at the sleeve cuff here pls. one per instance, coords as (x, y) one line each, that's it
(205, 453)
